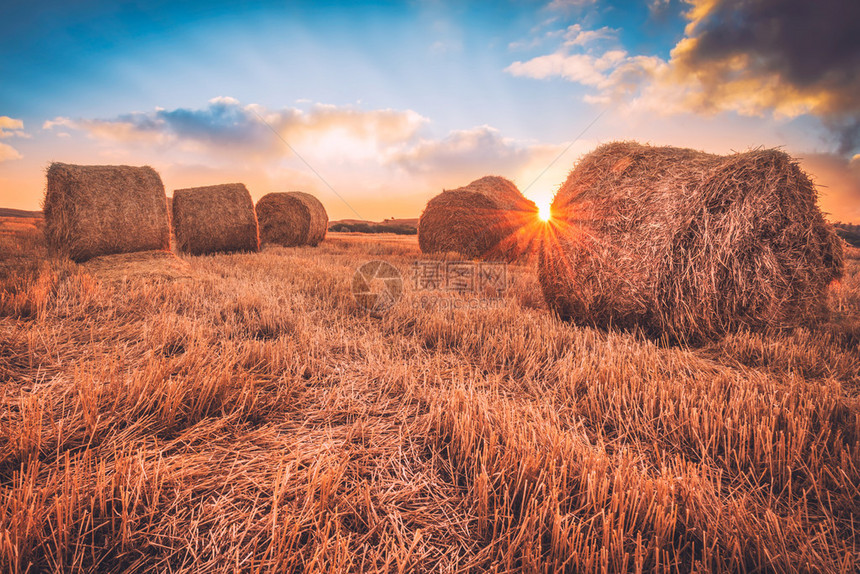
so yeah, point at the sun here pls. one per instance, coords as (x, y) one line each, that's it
(543, 211)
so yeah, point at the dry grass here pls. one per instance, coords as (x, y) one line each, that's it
(686, 244)
(255, 419)
(141, 265)
(850, 251)
(93, 210)
(292, 218)
(487, 219)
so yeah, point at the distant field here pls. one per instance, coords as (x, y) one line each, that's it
(14, 216)
(850, 233)
(408, 222)
(6, 212)
(243, 413)
(15, 225)
(397, 226)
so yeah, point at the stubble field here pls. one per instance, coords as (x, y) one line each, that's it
(242, 413)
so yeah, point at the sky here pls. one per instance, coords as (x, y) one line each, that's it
(376, 107)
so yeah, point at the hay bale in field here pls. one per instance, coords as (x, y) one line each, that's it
(291, 218)
(217, 218)
(687, 244)
(485, 219)
(95, 210)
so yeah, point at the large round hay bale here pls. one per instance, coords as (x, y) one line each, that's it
(216, 218)
(93, 210)
(484, 219)
(291, 218)
(687, 244)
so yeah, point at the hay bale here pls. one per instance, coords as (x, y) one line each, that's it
(485, 219)
(95, 210)
(687, 244)
(217, 218)
(291, 218)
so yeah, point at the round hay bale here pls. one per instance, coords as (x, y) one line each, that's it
(93, 210)
(687, 244)
(216, 218)
(484, 219)
(291, 218)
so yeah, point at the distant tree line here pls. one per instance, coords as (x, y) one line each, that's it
(850, 232)
(373, 228)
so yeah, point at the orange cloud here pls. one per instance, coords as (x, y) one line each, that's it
(9, 125)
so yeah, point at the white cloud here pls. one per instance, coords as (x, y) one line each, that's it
(575, 35)
(218, 100)
(11, 127)
(656, 6)
(8, 153)
(478, 150)
(59, 121)
(581, 68)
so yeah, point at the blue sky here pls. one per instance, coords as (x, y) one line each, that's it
(393, 101)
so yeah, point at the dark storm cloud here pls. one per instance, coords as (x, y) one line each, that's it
(810, 48)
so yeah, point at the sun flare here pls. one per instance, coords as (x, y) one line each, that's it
(543, 211)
